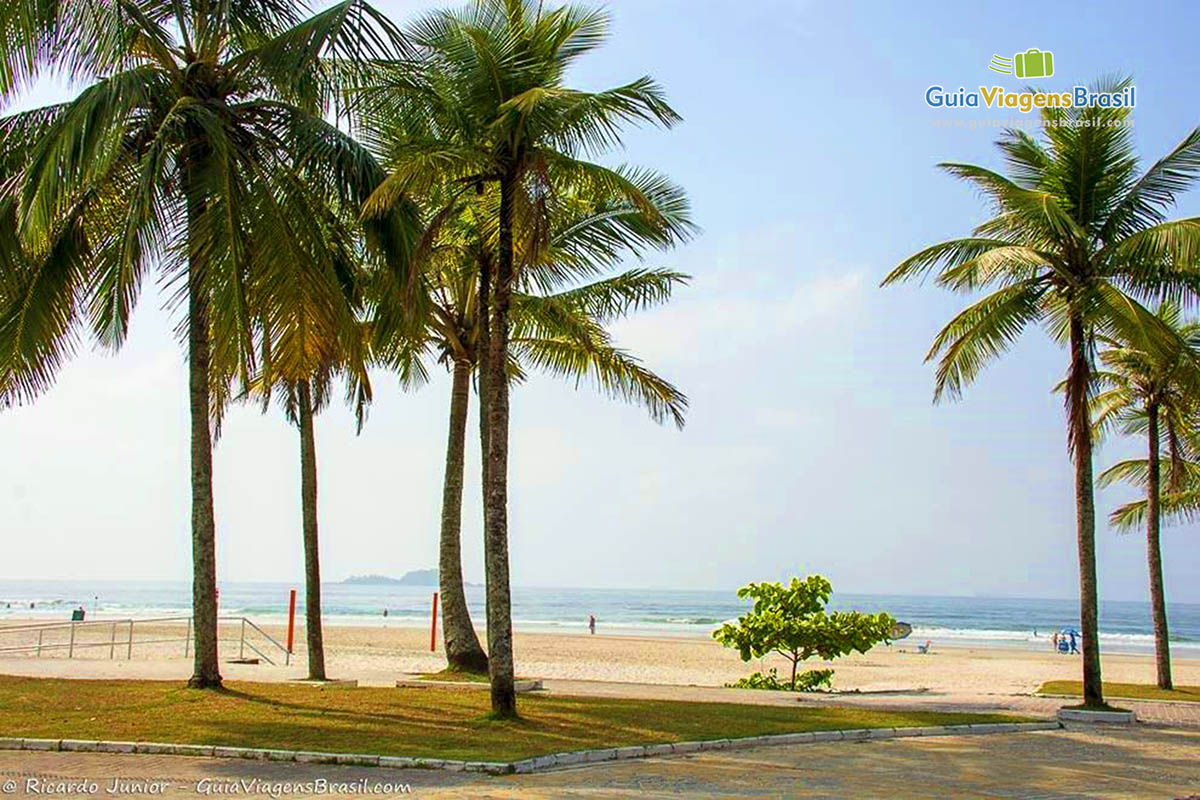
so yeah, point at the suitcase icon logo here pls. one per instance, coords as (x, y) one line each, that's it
(1033, 63)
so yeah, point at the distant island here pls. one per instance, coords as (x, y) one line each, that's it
(416, 577)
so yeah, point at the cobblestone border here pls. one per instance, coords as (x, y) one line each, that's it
(1091, 715)
(520, 685)
(535, 764)
(1079, 697)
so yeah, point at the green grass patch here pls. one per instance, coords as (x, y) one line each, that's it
(456, 676)
(432, 722)
(1126, 691)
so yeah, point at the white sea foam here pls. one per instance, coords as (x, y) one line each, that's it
(1117, 641)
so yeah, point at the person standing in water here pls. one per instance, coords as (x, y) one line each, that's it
(592, 624)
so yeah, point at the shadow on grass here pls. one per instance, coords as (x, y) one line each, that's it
(427, 722)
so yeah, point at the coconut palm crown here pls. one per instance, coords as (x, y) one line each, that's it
(488, 104)
(1079, 240)
(559, 320)
(1153, 394)
(183, 154)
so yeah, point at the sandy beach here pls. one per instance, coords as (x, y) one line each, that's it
(378, 655)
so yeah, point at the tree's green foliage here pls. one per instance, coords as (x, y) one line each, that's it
(810, 680)
(1078, 242)
(792, 622)
(200, 149)
(483, 103)
(1131, 382)
(1078, 234)
(558, 324)
(483, 98)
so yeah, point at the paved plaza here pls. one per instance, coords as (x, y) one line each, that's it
(1081, 761)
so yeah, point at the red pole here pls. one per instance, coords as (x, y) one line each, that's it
(291, 620)
(433, 626)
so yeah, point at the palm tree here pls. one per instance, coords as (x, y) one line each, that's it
(488, 105)
(1077, 237)
(303, 399)
(310, 335)
(1152, 392)
(558, 328)
(180, 154)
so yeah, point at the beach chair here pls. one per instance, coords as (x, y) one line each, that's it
(925, 648)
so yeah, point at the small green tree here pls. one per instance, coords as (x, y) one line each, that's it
(791, 621)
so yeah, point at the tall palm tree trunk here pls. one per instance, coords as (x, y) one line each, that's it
(312, 553)
(483, 361)
(1158, 601)
(484, 351)
(1080, 436)
(206, 673)
(499, 597)
(463, 651)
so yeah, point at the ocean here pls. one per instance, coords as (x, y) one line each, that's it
(1001, 622)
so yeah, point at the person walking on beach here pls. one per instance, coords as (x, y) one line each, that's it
(1054, 641)
(592, 624)
(1074, 649)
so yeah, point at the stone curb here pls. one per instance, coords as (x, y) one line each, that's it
(1079, 698)
(535, 764)
(329, 683)
(520, 685)
(1088, 715)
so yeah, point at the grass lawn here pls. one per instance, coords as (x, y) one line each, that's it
(431, 723)
(1126, 691)
(454, 675)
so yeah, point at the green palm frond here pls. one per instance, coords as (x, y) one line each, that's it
(198, 147)
(1177, 509)
(981, 333)
(1078, 226)
(1041, 210)
(1145, 204)
(614, 371)
(616, 297)
(952, 255)
(41, 294)
(307, 65)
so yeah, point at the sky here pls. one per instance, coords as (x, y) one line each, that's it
(812, 443)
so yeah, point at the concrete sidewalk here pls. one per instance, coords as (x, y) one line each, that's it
(1185, 714)
(1094, 762)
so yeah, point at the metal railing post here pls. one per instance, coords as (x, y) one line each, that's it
(247, 634)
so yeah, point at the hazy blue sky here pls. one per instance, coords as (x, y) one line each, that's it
(812, 445)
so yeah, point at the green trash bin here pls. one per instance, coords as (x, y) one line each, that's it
(77, 615)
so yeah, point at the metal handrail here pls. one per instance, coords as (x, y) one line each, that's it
(67, 624)
(128, 641)
(262, 633)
